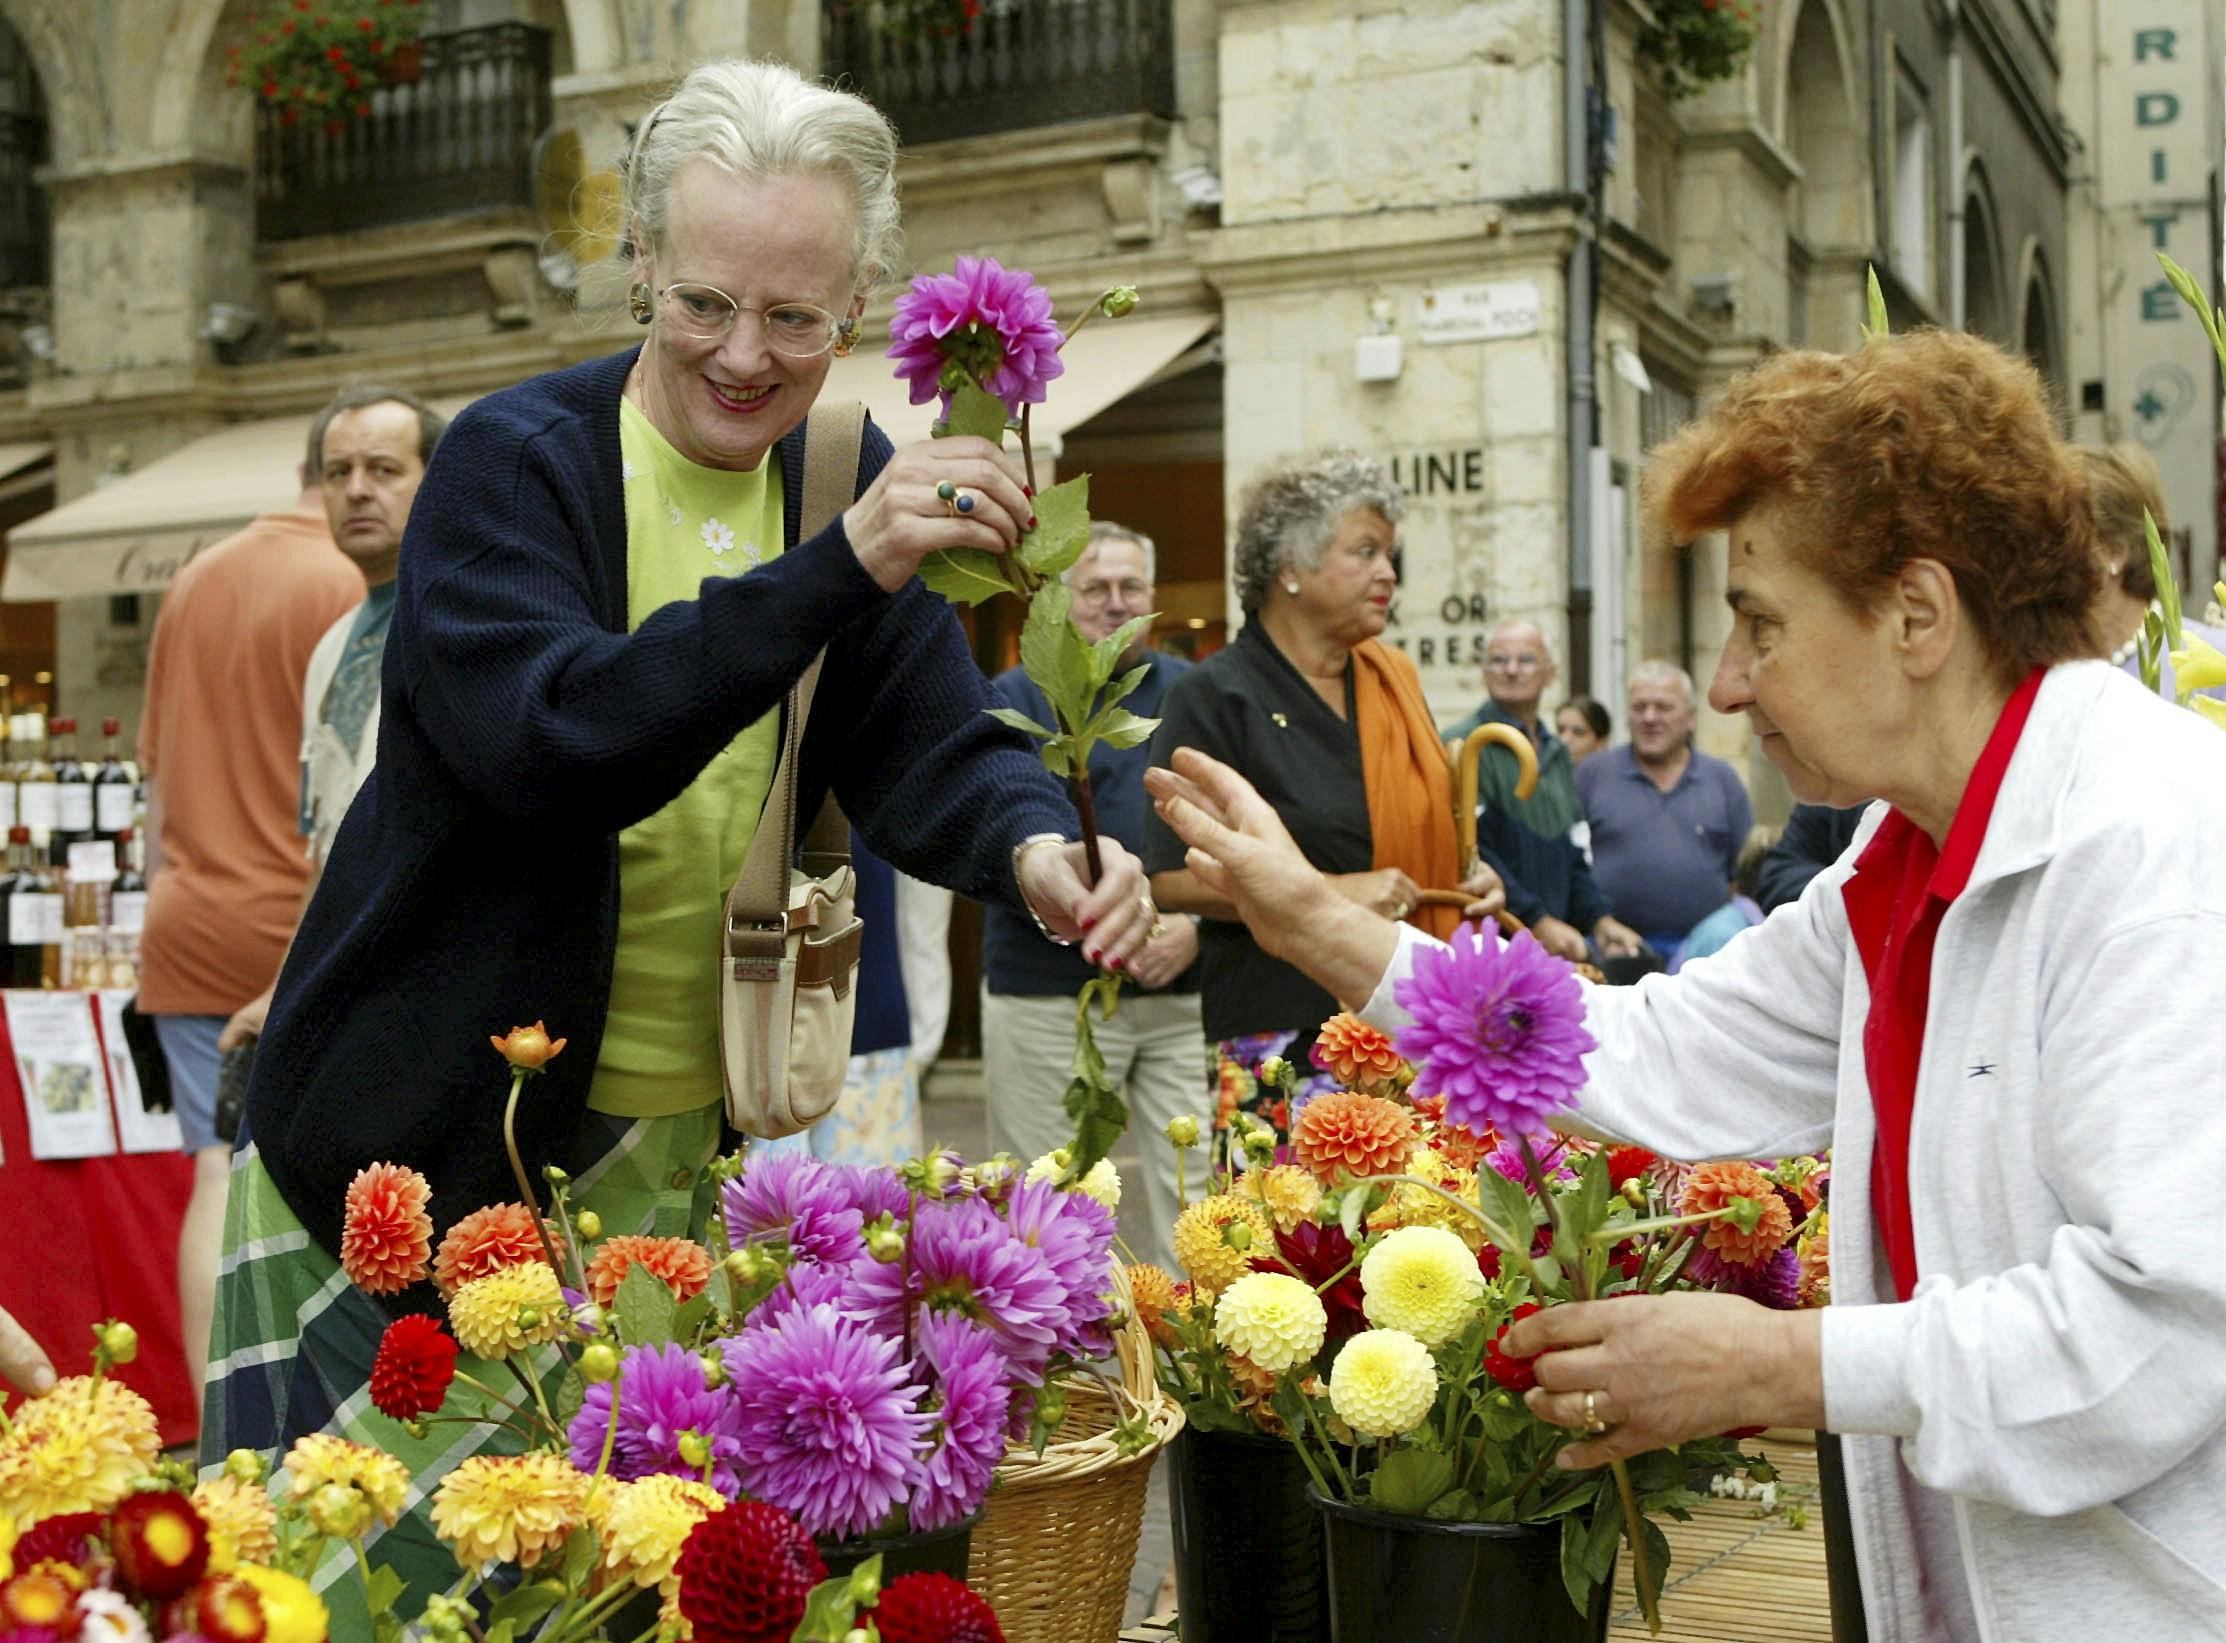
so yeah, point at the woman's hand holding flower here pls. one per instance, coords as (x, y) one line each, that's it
(1664, 1369)
(1111, 920)
(901, 519)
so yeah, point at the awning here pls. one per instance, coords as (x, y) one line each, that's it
(15, 458)
(1106, 361)
(132, 534)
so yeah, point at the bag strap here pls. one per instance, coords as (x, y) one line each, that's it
(758, 904)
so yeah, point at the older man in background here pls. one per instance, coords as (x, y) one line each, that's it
(1532, 843)
(1667, 821)
(1154, 1046)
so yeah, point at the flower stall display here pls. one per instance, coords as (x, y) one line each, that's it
(320, 59)
(692, 1435)
(1349, 1293)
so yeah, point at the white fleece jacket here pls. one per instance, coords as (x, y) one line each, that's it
(2046, 1418)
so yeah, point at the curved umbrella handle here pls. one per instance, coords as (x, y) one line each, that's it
(1465, 779)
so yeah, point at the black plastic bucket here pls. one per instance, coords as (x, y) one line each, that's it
(1398, 1579)
(938, 1551)
(1248, 1546)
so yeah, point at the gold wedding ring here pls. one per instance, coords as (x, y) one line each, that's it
(1593, 1424)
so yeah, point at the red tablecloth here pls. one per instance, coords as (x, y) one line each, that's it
(95, 1238)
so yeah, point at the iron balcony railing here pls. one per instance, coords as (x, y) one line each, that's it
(458, 138)
(1021, 63)
(24, 234)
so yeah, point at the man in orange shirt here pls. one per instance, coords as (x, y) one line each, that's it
(220, 740)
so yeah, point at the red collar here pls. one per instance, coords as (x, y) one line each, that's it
(1959, 852)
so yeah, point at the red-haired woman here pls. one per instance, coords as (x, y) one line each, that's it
(2004, 1007)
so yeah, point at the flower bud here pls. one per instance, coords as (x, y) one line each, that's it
(529, 1319)
(1051, 1405)
(598, 1362)
(528, 1049)
(119, 1342)
(714, 1371)
(1259, 1146)
(1122, 299)
(444, 1619)
(885, 1244)
(417, 1429)
(553, 1175)
(695, 1448)
(245, 1465)
(589, 1224)
(338, 1510)
(749, 1266)
(1275, 1070)
(588, 1317)
(1183, 1131)
(1634, 1193)
(1237, 1235)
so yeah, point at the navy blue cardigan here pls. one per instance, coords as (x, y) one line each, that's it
(474, 883)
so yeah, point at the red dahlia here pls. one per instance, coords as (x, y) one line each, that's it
(1516, 1374)
(72, 1538)
(415, 1363)
(161, 1544)
(746, 1573)
(934, 1608)
(1627, 1162)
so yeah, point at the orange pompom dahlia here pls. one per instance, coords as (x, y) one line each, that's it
(1357, 1055)
(1342, 1131)
(684, 1265)
(486, 1240)
(1712, 1187)
(386, 1240)
(1151, 1291)
(1458, 1145)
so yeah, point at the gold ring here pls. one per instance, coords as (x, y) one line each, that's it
(1593, 1424)
(1158, 929)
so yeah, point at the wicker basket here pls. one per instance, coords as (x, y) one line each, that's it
(1057, 1541)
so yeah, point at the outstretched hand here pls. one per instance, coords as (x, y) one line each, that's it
(22, 1364)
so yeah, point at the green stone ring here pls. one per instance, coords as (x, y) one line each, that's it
(946, 491)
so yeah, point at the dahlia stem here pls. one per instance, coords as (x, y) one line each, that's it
(1314, 1419)
(1085, 804)
(610, 1438)
(532, 1384)
(480, 1386)
(1617, 1232)
(1642, 1580)
(363, 1572)
(1323, 1287)
(518, 1168)
(1027, 451)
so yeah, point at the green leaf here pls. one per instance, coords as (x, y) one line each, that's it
(977, 413)
(965, 576)
(831, 1612)
(527, 1604)
(2167, 586)
(1212, 1415)
(1657, 1561)
(571, 1392)
(689, 1317)
(1352, 1215)
(1019, 721)
(1878, 326)
(1053, 654)
(503, 1631)
(1408, 1480)
(1099, 1113)
(1056, 757)
(1106, 654)
(1591, 1206)
(645, 1307)
(1121, 728)
(1574, 1580)
(1119, 689)
(1062, 527)
(579, 1557)
(382, 1592)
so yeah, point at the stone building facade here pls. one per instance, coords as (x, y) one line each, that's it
(1473, 236)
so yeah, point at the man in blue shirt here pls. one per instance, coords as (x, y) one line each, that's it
(1667, 822)
(1155, 1046)
(1531, 843)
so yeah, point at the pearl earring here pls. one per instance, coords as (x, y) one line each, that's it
(1290, 587)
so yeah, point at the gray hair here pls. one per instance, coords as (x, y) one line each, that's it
(1288, 515)
(758, 120)
(1103, 531)
(359, 393)
(1659, 672)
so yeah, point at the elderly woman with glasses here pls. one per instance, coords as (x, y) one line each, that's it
(604, 601)
(2003, 1007)
(1330, 724)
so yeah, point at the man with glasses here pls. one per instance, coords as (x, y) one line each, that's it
(1533, 843)
(1153, 1046)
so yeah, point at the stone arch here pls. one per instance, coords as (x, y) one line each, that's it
(1986, 303)
(78, 125)
(1816, 118)
(2038, 337)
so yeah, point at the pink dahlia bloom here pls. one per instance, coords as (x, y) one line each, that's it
(1074, 1234)
(795, 1194)
(1498, 1030)
(661, 1399)
(994, 324)
(964, 1260)
(973, 1387)
(831, 1423)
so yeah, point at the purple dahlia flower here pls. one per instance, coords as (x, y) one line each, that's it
(831, 1423)
(661, 1397)
(1074, 1233)
(963, 1259)
(1498, 1030)
(796, 1195)
(973, 1391)
(1776, 1283)
(992, 322)
(804, 1284)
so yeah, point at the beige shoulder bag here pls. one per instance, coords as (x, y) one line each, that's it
(789, 944)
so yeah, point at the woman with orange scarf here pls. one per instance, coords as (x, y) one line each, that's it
(1330, 724)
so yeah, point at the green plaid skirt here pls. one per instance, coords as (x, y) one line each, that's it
(293, 1341)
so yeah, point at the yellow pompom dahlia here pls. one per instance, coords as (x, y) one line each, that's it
(1287, 1192)
(1216, 1238)
(292, 1612)
(509, 1508)
(243, 1525)
(644, 1524)
(509, 1310)
(1272, 1318)
(1422, 1280)
(1413, 1206)
(79, 1448)
(319, 1458)
(1383, 1383)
